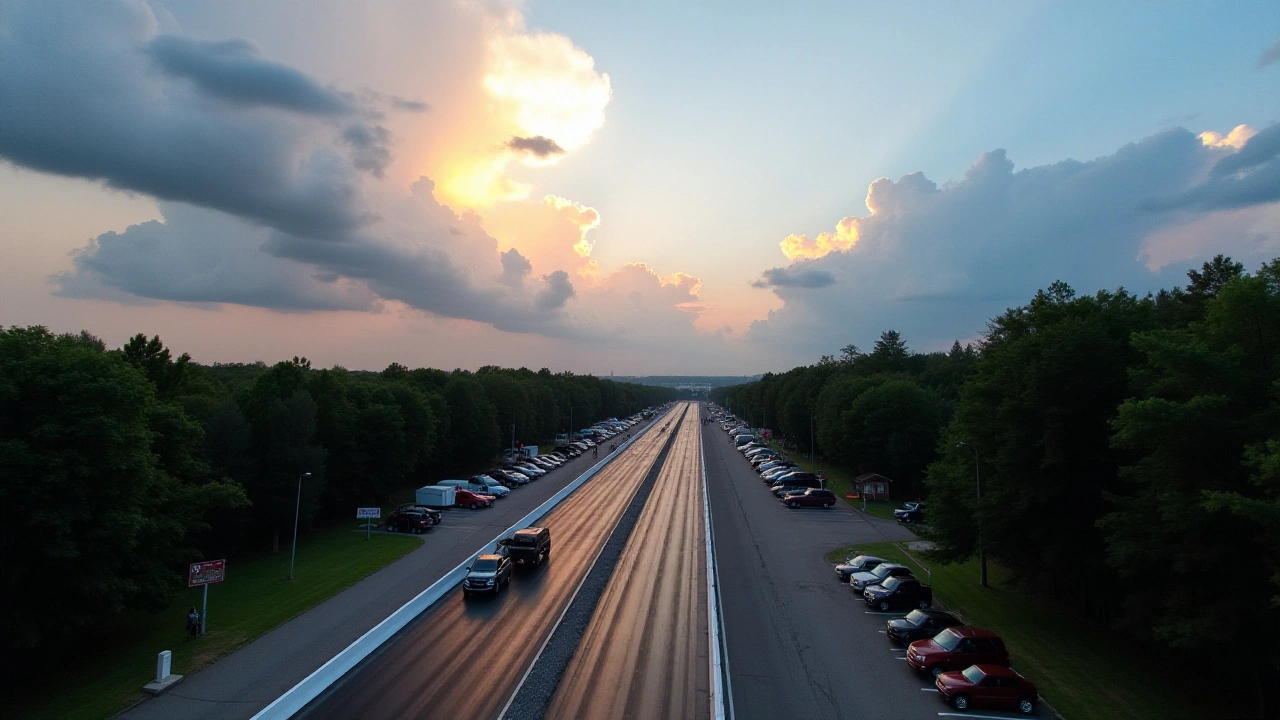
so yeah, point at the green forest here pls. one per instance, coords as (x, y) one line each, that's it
(1128, 450)
(119, 467)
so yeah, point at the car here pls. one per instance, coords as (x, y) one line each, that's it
(860, 581)
(911, 512)
(956, 648)
(991, 686)
(508, 476)
(410, 521)
(898, 592)
(532, 470)
(856, 564)
(920, 624)
(531, 545)
(489, 574)
(813, 497)
(436, 515)
(471, 500)
(488, 486)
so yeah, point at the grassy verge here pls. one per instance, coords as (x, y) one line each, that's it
(1079, 669)
(256, 597)
(840, 481)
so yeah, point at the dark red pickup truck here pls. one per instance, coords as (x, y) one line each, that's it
(898, 592)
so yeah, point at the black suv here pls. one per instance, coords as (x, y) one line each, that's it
(532, 544)
(920, 624)
(412, 519)
(488, 574)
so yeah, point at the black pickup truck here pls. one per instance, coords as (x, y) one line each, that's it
(531, 545)
(898, 592)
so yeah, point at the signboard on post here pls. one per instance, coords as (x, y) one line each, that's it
(368, 515)
(206, 573)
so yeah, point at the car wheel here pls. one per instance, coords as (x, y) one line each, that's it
(391, 528)
(794, 504)
(924, 604)
(472, 506)
(1026, 706)
(884, 606)
(826, 505)
(961, 702)
(936, 670)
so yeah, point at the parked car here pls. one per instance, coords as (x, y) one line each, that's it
(912, 512)
(436, 515)
(990, 686)
(920, 624)
(860, 581)
(508, 477)
(898, 592)
(856, 564)
(471, 500)
(489, 573)
(812, 497)
(410, 521)
(488, 486)
(956, 648)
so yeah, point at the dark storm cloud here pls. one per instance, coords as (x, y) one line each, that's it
(231, 70)
(796, 277)
(1250, 176)
(369, 147)
(557, 291)
(515, 267)
(537, 146)
(82, 98)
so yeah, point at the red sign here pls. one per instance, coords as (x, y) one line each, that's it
(206, 573)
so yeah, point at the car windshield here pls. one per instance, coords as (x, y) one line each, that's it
(946, 640)
(973, 674)
(915, 617)
(891, 583)
(485, 566)
(882, 571)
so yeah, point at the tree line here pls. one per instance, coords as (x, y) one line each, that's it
(1128, 449)
(119, 467)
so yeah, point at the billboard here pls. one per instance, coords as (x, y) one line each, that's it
(368, 513)
(207, 572)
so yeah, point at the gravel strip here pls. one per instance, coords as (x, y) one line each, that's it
(534, 696)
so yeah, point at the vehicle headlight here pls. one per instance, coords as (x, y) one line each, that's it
(489, 581)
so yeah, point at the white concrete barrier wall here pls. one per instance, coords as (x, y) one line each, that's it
(718, 655)
(310, 687)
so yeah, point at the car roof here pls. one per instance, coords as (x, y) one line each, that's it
(972, 632)
(530, 531)
(998, 670)
(490, 556)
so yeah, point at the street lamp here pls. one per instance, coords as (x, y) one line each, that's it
(977, 476)
(297, 508)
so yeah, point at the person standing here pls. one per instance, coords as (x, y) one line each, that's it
(193, 622)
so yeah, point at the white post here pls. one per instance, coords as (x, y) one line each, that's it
(204, 610)
(163, 664)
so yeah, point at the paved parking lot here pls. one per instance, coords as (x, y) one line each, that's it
(800, 643)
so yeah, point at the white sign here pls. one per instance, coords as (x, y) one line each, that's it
(368, 513)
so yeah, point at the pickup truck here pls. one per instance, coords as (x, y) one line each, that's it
(898, 592)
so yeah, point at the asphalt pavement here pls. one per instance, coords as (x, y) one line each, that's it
(800, 643)
(240, 684)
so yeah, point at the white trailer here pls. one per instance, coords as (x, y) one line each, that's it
(436, 496)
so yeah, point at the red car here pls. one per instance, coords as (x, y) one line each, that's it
(989, 686)
(468, 499)
(813, 497)
(956, 648)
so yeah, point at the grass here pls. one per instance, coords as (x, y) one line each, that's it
(1079, 669)
(840, 481)
(256, 597)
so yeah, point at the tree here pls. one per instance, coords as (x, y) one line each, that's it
(101, 491)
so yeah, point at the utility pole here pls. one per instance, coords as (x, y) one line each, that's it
(297, 508)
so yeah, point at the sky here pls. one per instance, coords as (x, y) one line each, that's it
(601, 187)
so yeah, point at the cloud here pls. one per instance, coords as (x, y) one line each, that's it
(82, 98)
(1271, 56)
(557, 291)
(936, 262)
(515, 267)
(1238, 136)
(536, 146)
(799, 277)
(231, 70)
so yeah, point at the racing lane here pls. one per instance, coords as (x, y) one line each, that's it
(644, 653)
(464, 658)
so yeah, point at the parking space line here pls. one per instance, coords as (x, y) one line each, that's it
(967, 715)
(929, 690)
(877, 612)
(903, 658)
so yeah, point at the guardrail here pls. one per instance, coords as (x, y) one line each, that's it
(721, 688)
(310, 687)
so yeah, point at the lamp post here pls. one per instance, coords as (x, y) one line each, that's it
(977, 476)
(297, 509)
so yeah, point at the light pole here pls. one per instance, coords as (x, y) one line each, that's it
(297, 508)
(977, 476)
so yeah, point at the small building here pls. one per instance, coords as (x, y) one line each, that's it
(873, 486)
